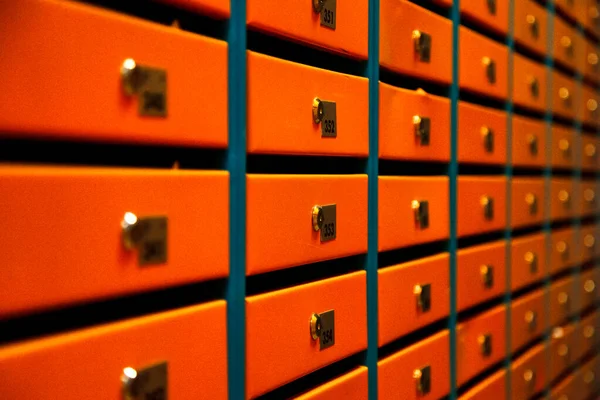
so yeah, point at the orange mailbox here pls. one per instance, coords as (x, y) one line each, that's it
(73, 76)
(568, 45)
(566, 101)
(528, 206)
(178, 349)
(112, 234)
(528, 260)
(562, 198)
(528, 142)
(482, 205)
(317, 218)
(529, 84)
(528, 319)
(563, 250)
(292, 332)
(563, 147)
(531, 25)
(293, 125)
(482, 137)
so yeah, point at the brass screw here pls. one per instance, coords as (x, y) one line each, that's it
(563, 93)
(590, 150)
(563, 350)
(564, 145)
(589, 241)
(564, 196)
(563, 298)
(562, 247)
(589, 195)
(589, 286)
(531, 259)
(592, 105)
(530, 317)
(588, 332)
(529, 375)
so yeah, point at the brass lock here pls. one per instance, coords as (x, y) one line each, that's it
(531, 260)
(533, 25)
(565, 147)
(534, 86)
(490, 69)
(563, 249)
(485, 344)
(567, 43)
(421, 213)
(422, 377)
(147, 383)
(422, 126)
(532, 141)
(565, 96)
(531, 320)
(531, 200)
(563, 299)
(529, 376)
(423, 297)
(488, 138)
(588, 332)
(592, 59)
(592, 105)
(564, 198)
(487, 275)
(589, 241)
(315, 326)
(422, 45)
(148, 235)
(590, 150)
(318, 110)
(487, 203)
(589, 286)
(149, 84)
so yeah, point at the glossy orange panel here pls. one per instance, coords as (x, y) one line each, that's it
(590, 146)
(562, 350)
(563, 300)
(528, 142)
(397, 24)
(531, 25)
(397, 130)
(588, 248)
(563, 147)
(287, 201)
(398, 226)
(588, 289)
(290, 128)
(473, 263)
(591, 66)
(275, 359)
(473, 192)
(481, 13)
(100, 354)
(529, 83)
(492, 388)
(298, 21)
(529, 373)
(563, 250)
(474, 123)
(55, 86)
(562, 198)
(216, 8)
(528, 260)
(565, 99)
(590, 107)
(527, 318)
(395, 373)
(399, 311)
(470, 358)
(476, 56)
(351, 386)
(588, 197)
(86, 232)
(568, 46)
(527, 198)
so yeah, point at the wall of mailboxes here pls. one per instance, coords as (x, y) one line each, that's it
(184, 215)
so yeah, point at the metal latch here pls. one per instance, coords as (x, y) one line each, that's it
(149, 84)
(146, 234)
(485, 344)
(423, 378)
(487, 203)
(422, 45)
(422, 129)
(532, 141)
(488, 138)
(531, 260)
(487, 275)
(423, 296)
(421, 211)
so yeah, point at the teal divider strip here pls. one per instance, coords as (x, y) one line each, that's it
(373, 172)
(453, 175)
(236, 165)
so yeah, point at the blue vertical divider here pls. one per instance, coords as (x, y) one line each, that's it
(452, 176)
(236, 165)
(373, 172)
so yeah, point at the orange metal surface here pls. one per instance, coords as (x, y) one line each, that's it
(587, 289)
(279, 350)
(472, 191)
(397, 221)
(588, 197)
(298, 21)
(480, 13)
(88, 363)
(528, 319)
(351, 386)
(588, 248)
(470, 359)
(473, 121)
(568, 46)
(285, 202)
(399, 312)
(590, 146)
(531, 25)
(397, 23)
(562, 199)
(591, 62)
(215, 8)
(76, 212)
(565, 99)
(563, 250)
(590, 106)
(55, 85)
(397, 110)
(471, 287)
(529, 373)
(563, 300)
(474, 50)
(563, 147)
(566, 389)
(290, 129)
(528, 142)
(562, 350)
(528, 260)
(395, 373)
(528, 205)
(529, 83)
(492, 388)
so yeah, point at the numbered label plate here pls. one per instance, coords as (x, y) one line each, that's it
(150, 383)
(329, 123)
(328, 14)
(329, 227)
(153, 240)
(327, 338)
(153, 92)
